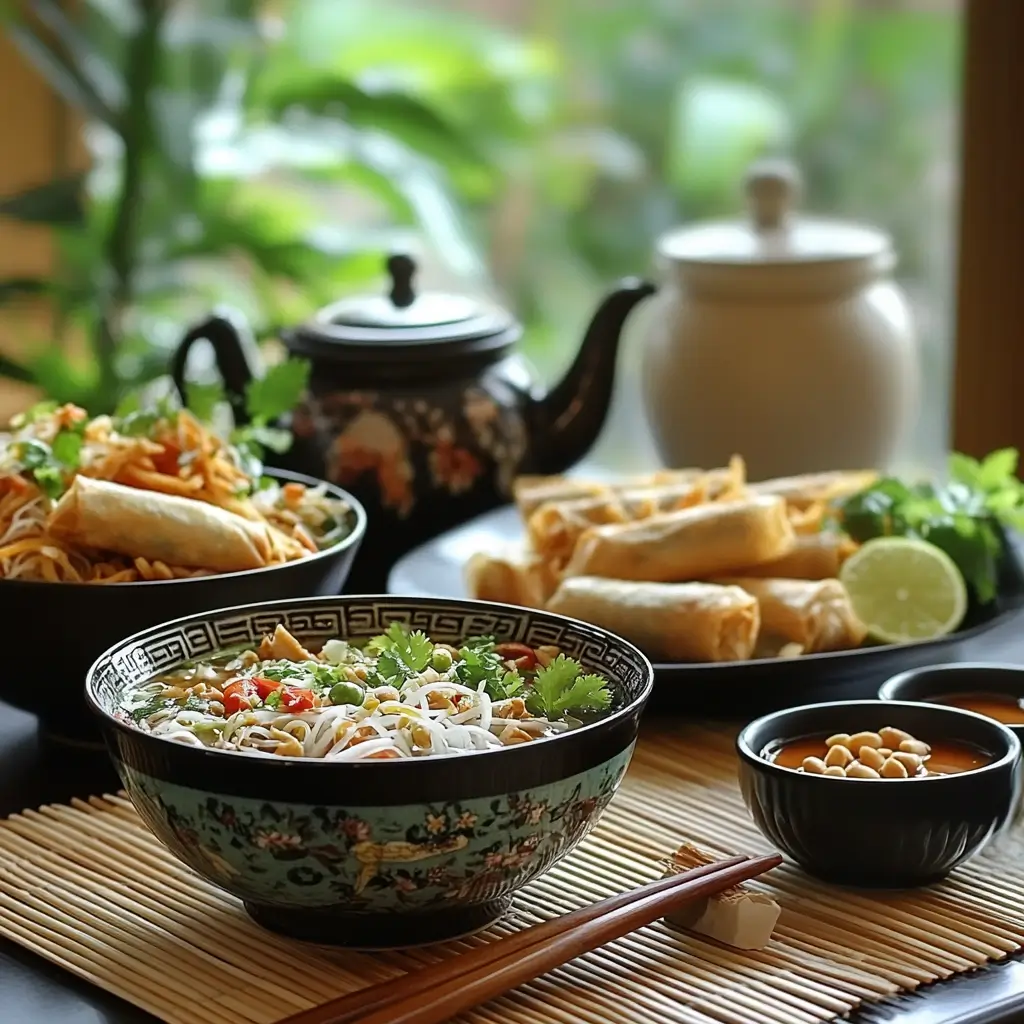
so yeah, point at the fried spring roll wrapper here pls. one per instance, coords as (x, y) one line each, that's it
(811, 487)
(527, 580)
(815, 556)
(674, 621)
(158, 527)
(556, 526)
(816, 614)
(530, 492)
(692, 544)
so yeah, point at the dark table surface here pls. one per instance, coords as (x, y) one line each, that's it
(34, 771)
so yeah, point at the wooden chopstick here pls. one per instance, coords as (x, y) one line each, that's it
(439, 991)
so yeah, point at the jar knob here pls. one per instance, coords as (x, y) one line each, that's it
(402, 268)
(772, 188)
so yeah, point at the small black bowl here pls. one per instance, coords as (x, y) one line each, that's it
(372, 854)
(55, 631)
(879, 833)
(931, 683)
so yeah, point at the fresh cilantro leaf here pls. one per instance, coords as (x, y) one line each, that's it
(67, 447)
(278, 391)
(411, 650)
(963, 517)
(202, 399)
(560, 687)
(480, 665)
(507, 686)
(389, 667)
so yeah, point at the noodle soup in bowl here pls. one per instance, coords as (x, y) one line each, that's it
(482, 745)
(73, 623)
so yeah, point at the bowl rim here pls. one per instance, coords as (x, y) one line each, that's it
(353, 538)
(635, 704)
(992, 667)
(754, 758)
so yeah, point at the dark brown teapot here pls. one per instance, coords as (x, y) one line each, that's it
(418, 405)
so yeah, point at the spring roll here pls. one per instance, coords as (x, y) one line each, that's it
(528, 580)
(816, 614)
(530, 492)
(158, 527)
(672, 621)
(555, 527)
(815, 556)
(691, 544)
(812, 487)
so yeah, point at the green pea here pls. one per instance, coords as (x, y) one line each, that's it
(441, 659)
(346, 693)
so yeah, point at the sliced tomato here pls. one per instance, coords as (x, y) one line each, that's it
(296, 700)
(293, 699)
(238, 696)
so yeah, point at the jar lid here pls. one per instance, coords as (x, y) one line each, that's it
(403, 323)
(773, 233)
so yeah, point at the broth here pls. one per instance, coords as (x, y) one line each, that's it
(1003, 707)
(946, 757)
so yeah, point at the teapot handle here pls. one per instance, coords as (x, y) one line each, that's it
(234, 353)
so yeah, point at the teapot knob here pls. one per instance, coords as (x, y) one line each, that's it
(402, 268)
(772, 188)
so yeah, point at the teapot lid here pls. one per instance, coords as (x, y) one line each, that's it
(773, 233)
(404, 324)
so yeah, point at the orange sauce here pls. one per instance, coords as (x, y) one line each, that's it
(946, 758)
(1003, 707)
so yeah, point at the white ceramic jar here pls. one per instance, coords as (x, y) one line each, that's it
(783, 339)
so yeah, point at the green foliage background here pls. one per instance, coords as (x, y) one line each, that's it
(267, 156)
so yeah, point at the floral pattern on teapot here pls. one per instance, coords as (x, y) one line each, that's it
(378, 436)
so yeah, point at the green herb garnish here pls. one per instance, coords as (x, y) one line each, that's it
(561, 687)
(399, 649)
(273, 700)
(478, 663)
(308, 672)
(963, 516)
(49, 465)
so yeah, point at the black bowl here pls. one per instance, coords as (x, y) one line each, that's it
(934, 681)
(382, 854)
(55, 631)
(879, 833)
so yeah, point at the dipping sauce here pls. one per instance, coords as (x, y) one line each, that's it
(888, 754)
(1003, 707)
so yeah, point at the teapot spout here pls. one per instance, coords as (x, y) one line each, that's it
(565, 422)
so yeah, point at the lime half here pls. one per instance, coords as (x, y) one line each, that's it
(904, 590)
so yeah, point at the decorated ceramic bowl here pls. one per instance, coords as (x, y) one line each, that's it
(372, 854)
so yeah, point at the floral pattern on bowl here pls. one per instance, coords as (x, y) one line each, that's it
(376, 859)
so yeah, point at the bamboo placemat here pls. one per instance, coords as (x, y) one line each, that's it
(88, 887)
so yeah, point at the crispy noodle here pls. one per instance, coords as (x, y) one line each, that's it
(180, 457)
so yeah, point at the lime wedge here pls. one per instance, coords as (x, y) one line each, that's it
(904, 590)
